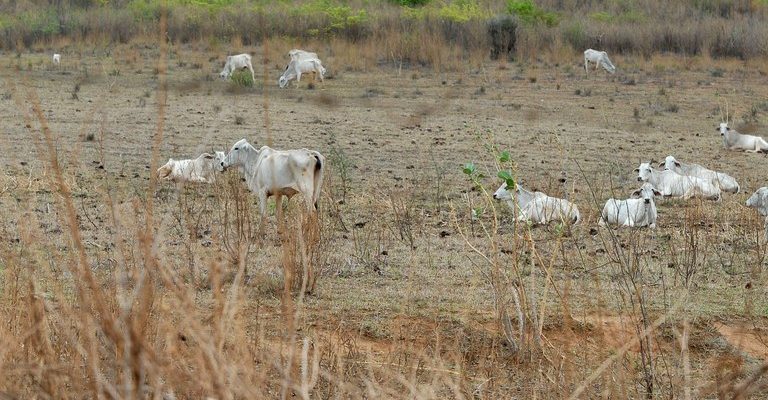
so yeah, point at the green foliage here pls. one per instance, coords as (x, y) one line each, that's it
(341, 17)
(462, 11)
(528, 12)
(242, 78)
(411, 3)
(601, 16)
(41, 22)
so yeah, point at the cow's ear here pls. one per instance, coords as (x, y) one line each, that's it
(208, 156)
(637, 169)
(728, 128)
(656, 192)
(677, 163)
(636, 194)
(661, 164)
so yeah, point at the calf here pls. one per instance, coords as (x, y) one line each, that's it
(238, 62)
(537, 207)
(201, 169)
(637, 211)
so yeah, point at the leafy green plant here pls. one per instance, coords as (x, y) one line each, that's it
(242, 78)
(529, 12)
(461, 11)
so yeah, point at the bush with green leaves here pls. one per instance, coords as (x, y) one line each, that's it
(411, 3)
(530, 13)
(242, 78)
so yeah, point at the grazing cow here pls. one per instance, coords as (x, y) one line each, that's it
(202, 169)
(301, 66)
(733, 140)
(270, 172)
(670, 183)
(537, 207)
(57, 59)
(725, 182)
(297, 54)
(639, 210)
(238, 62)
(600, 58)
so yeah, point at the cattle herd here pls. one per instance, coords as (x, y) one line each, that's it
(269, 172)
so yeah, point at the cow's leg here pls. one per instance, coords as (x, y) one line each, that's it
(586, 65)
(253, 76)
(279, 215)
(298, 77)
(263, 211)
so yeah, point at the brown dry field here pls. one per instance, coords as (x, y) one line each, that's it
(405, 134)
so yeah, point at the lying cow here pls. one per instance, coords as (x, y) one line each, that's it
(637, 211)
(201, 169)
(270, 172)
(759, 200)
(733, 140)
(537, 207)
(725, 182)
(600, 58)
(301, 66)
(235, 63)
(670, 183)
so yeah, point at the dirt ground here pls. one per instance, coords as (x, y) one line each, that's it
(403, 136)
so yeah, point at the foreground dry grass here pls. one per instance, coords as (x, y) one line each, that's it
(117, 288)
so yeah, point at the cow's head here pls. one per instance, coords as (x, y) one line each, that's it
(218, 161)
(723, 128)
(644, 171)
(759, 199)
(502, 193)
(646, 192)
(670, 163)
(282, 82)
(237, 155)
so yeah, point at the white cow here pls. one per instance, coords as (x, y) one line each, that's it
(639, 210)
(537, 207)
(201, 169)
(733, 140)
(238, 62)
(670, 183)
(600, 58)
(297, 54)
(57, 59)
(270, 172)
(759, 200)
(725, 182)
(301, 66)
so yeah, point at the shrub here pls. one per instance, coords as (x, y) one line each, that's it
(528, 12)
(502, 35)
(242, 78)
(461, 11)
(411, 3)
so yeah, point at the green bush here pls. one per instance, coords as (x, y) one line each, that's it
(242, 78)
(461, 11)
(411, 3)
(528, 12)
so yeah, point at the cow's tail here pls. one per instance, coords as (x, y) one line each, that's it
(317, 177)
(576, 216)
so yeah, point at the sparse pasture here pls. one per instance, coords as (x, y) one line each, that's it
(113, 285)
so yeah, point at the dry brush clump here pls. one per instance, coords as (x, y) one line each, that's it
(443, 35)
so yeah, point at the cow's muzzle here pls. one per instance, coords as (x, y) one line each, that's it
(647, 201)
(639, 179)
(495, 196)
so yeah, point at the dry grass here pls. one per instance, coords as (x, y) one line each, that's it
(115, 286)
